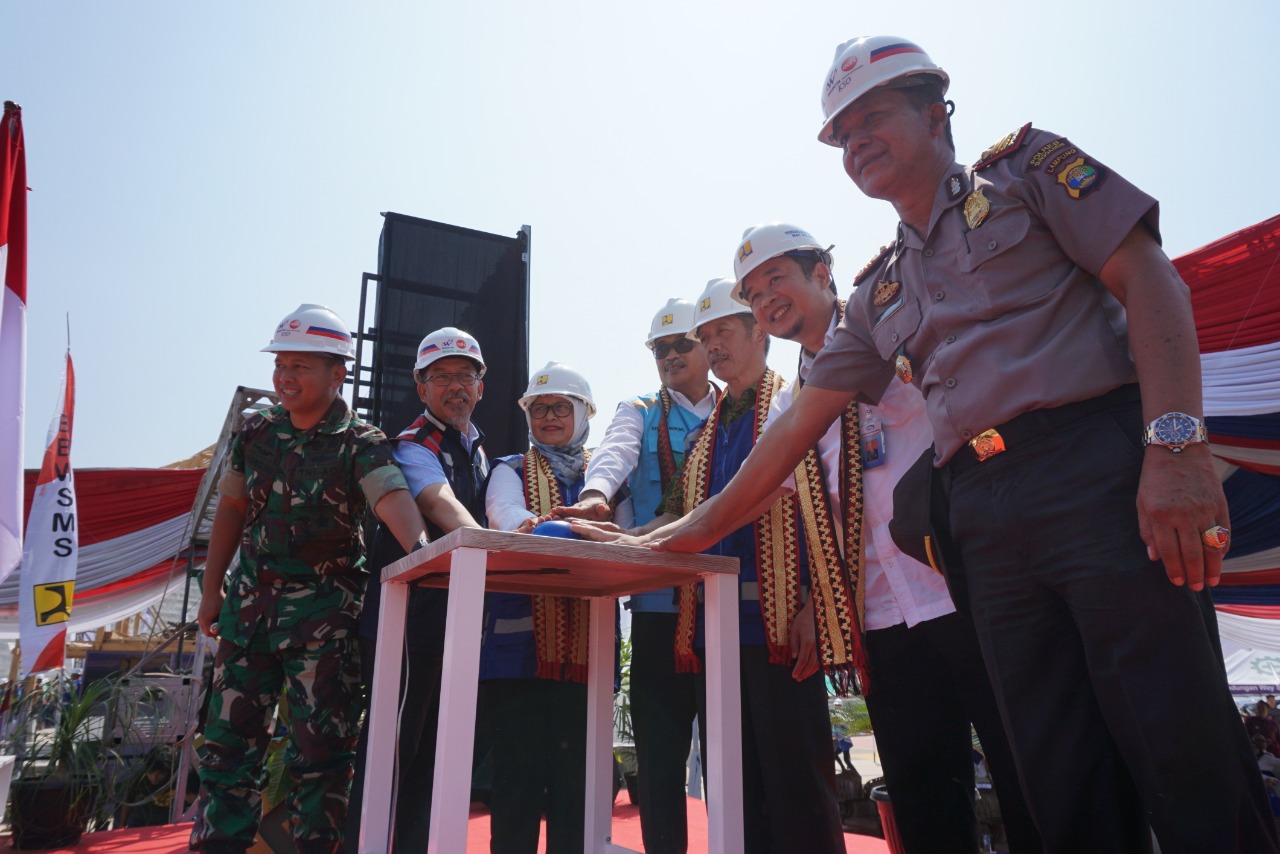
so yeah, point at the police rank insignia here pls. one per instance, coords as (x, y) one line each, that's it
(866, 268)
(954, 187)
(1003, 147)
(976, 208)
(886, 291)
(902, 367)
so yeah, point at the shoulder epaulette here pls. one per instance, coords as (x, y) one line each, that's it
(1005, 146)
(870, 265)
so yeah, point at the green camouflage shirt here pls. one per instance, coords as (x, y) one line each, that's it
(301, 568)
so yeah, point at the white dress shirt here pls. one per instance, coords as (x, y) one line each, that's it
(618, 453)
(899, 589)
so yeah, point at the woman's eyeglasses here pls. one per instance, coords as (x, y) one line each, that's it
(561, 409)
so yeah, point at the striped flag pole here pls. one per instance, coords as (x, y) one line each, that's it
(48, 577)
(13, 332)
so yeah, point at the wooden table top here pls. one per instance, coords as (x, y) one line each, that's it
(536, 565)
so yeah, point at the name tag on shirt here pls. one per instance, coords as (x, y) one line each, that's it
(871, 439)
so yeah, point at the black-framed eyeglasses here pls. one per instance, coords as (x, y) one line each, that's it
(446, 380)
(561, 409)
(681, 345)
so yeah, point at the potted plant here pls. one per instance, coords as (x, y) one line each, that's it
(62, 761)
(624, 748)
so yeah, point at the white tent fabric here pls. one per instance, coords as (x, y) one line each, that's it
(105, 609)
(1241, 382)
(1250, 563)
(100, 563)
(1250, 632)
(1253, 671)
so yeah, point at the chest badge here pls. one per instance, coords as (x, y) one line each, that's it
(886, 291)
(902, 367)
(976, 208)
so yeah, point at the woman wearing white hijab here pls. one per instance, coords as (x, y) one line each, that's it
(533, 659)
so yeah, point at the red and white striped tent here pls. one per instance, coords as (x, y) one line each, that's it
(133, 526)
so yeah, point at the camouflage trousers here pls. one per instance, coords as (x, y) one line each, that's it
(321, 682)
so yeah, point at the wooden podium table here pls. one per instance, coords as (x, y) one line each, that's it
(469, 561)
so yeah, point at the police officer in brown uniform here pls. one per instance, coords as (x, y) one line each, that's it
(1028, 298)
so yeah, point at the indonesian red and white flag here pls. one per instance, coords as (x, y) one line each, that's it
(48, 576)
(13, 332)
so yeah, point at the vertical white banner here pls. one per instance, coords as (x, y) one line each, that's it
(47, 579)
(13, 331)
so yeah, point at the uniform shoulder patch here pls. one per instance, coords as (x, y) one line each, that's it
(872, 264)
(1003, 147)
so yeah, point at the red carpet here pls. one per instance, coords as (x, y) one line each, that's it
(172, 839)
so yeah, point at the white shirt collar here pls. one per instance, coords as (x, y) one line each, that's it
(703, 407)
(806, 358)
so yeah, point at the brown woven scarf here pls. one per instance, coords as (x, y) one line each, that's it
(777, 545)
(560, 624)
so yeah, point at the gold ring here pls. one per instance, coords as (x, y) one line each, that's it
(1216, 537)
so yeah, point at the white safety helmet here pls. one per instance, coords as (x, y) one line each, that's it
(674, 318)
(716, 302)
(862, 64)
(449, 341)
(558, 378)
(312, 329)
(762, 242)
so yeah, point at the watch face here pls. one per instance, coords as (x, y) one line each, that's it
(1175, 429)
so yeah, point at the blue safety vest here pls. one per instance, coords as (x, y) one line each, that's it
(645, 480)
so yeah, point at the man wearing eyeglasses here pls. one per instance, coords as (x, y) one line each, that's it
(442, 456)
(643, 448)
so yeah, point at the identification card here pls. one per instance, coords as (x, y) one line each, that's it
(871, 438)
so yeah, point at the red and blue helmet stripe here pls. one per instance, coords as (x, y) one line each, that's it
(336, 334)
(894, 50)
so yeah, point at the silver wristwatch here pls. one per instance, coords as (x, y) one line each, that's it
(1175, 430)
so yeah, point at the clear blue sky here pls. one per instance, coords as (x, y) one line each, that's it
(198, 170)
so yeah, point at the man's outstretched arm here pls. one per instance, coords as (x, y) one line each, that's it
(776, 454)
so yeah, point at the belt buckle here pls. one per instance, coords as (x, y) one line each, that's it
(987, 444)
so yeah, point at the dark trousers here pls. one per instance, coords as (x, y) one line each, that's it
(928, 683)
(416, 748)
(539, 732)
(664, 704)
(788, 775)
(1110, 678)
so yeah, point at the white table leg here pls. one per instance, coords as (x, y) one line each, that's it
(457, 729)
(724, 717)
(380, 760)
(599, 789)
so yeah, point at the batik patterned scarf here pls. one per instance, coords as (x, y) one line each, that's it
(836, 581)
(777, 556)
(560, 623)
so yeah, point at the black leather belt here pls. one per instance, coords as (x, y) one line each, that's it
(1029, 425)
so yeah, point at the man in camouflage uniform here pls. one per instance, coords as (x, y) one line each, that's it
(299, 478)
